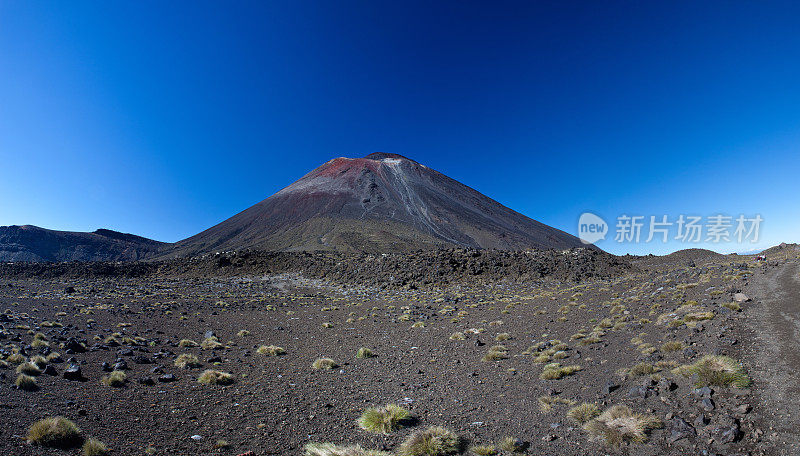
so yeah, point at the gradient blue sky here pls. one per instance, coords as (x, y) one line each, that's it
(164, 118)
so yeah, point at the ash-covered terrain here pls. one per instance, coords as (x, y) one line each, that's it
(477, 352)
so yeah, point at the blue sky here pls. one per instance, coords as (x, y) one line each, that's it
(164, 118)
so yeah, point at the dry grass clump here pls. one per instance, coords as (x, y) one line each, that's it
(513, 445)
(715, 370)
(619, 424)
(187, 360)
(15, 358)
(384, 420)
(187, 343)
(56, 432)
(243, 333)
(215, 377)
(642, 369)
(365, 352)
(28, 368)
(116, 378)
(324, 363)
(26, 383)
(546, 403)
(94, 447)
(458, 336)
(590, 339)
(671, 346)
(433, 441)
(495, 353)
(734, 306)
(502, 337)
(327, 324)
(211, 343)
(555, 371)
(583, 413)
(697, 316)
(418, 324)
(271, 350)
(329, 449)
(484, 450)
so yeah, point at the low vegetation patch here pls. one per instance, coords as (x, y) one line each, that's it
(116, 378)
(329, 449)
(555, 371)
(619, 424)
(94, 447)
(495, 353)
(215, 377)
(384, 420)
(715, 370)
(433, 441)
(324, 364)
(56, 432)
(365, 352)
(583, 413)
(26, 383)
(187, 360)
(271, 350)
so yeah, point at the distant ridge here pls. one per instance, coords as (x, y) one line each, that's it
(33, 244)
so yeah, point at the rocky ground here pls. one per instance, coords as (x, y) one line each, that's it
(468, 351)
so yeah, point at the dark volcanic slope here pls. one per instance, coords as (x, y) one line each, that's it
(380, 203)
(31, 243)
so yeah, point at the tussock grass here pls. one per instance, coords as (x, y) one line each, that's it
(94, 447)
(555, 371)
(116, 378)
(546, 403)
(433, 441)
(715, 370)
(215, 377)
(583, 413)
(15, 358)
(324, 363)
(365, 352)
(513, 445)
(329, 449)
(270, 350)
(28, 368)
(619, 424)
(243, 333)
(384, 420)
(187, 343)
(734, 306)
(458, 336)
(671, 346)
(484, 450)
(495, 353)
(211, 343)
(502, 337)
(26, 383)
(56, 432)
(642, 369)
(187, 360)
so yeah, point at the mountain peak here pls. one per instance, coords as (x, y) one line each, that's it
(383, 202)
(386, 155)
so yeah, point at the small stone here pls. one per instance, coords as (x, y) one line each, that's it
(146, 381)
(167, 378)
(196, 437)
(73, 372)
(680, 429)
(741, 297)
(50, 370)
(707, 404)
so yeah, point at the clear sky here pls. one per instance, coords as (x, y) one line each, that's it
(164, 118)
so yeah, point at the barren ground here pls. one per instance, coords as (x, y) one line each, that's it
(277, 404)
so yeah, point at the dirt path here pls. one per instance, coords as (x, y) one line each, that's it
(774, 321)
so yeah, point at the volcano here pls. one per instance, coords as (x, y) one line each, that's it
(380, 203)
